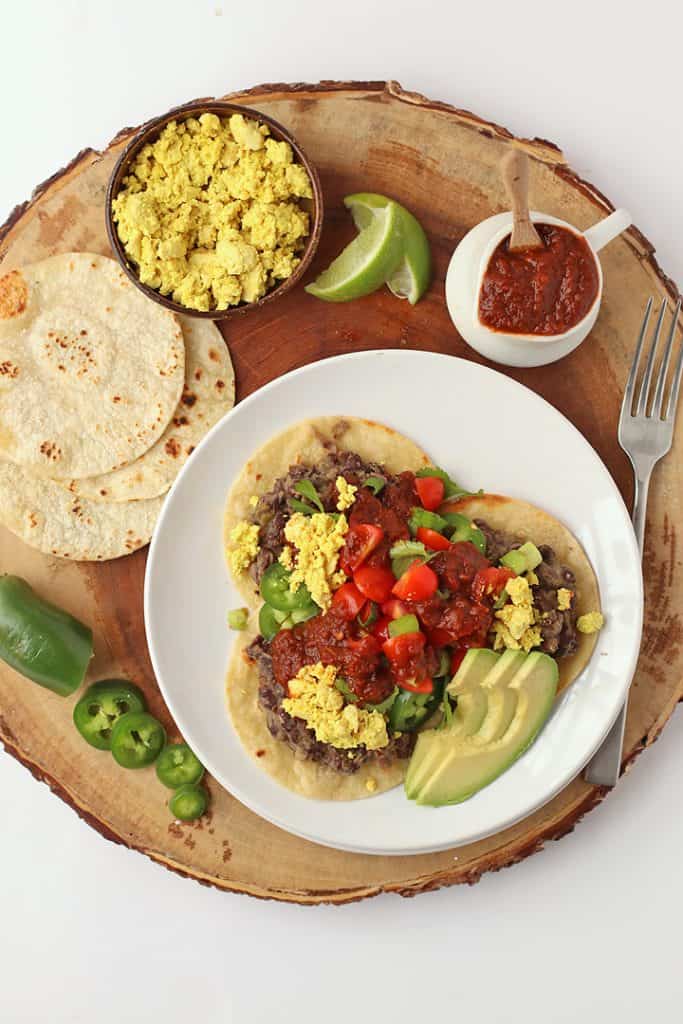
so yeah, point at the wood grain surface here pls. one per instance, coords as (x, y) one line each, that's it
(443, 164)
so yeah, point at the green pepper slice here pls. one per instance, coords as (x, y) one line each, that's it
(276, 590)
(137, 739)
(404, 624)
(410, 710)
(188, 802)
(40, 641)
(465, 531)
(429, 520)
(101, 707)
(177, 765)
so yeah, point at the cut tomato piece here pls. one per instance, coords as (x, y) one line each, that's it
(417, 583)
(381, 629)
(361, 541)
(394, 609)
(374, 582)
(433, 540)
(417, 685)
(456, 659)
(403, 648)
(348, 601)
(430, 490)
(490, 582)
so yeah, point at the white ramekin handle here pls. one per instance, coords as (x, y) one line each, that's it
(605, 230)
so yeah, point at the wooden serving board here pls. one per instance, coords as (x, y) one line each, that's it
(443, 164)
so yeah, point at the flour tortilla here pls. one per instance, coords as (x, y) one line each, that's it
(91, 371)
(49, 518)
(309, 442)
(209, 393)
(528, 522)
(306, 442)
(280, 762)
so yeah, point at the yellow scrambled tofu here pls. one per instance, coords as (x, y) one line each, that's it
(314, 698)
(346, 492)
(564, 599)
(211, 212)
(591, 622)
(515, 626)
(243, 547)
(317, 541)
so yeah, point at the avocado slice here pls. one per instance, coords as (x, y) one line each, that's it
(472, 690)
(472, 670)
(474, 761)
(522, 559)
(434, 744)
(499, 673)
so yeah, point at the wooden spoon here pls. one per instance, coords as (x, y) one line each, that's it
(515, 170)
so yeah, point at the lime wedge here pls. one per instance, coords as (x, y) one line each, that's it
(411, 278)
(367, 262)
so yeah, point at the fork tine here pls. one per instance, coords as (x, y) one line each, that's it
(631, 382)
(647, 376)
(675, 385)
(664, 368)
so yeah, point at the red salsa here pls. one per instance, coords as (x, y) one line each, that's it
(539, 291)
(451, 598)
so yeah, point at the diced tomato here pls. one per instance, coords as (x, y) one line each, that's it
(417, 685)
(417, 583)
(439, 637)
(433, 540)
(394, 609)
(403, 648)
(348, 601)
(365, 646)
(361, 541)
(374, 582)
(456, 659)
(490, 582)
(381, 629)
(430, 490)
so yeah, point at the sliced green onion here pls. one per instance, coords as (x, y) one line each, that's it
(404, 624)
(238, 618)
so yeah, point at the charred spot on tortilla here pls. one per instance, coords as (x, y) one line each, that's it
(213, 355)
(172, 447)
(8, 369)
(13, 295)
(188, 398)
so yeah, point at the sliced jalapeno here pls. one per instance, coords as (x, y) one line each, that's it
(177, 765)
(188, 803)
(137, 739)
(101, 707)
(277, 592)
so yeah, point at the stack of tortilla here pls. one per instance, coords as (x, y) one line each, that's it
(103, 395)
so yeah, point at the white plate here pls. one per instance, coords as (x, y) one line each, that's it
(487, 431)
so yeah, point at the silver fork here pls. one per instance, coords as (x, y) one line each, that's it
(645, 434)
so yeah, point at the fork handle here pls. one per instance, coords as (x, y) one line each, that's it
(604, 767)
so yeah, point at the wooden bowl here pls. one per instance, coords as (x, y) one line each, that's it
(150, 131)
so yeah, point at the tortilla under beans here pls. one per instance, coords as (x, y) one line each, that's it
(528, 522)
(308, 442)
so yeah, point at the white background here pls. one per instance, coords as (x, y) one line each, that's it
(586, 930)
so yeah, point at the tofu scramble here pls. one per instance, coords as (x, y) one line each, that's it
(211, 212)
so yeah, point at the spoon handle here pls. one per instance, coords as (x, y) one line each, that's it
(515, 172)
